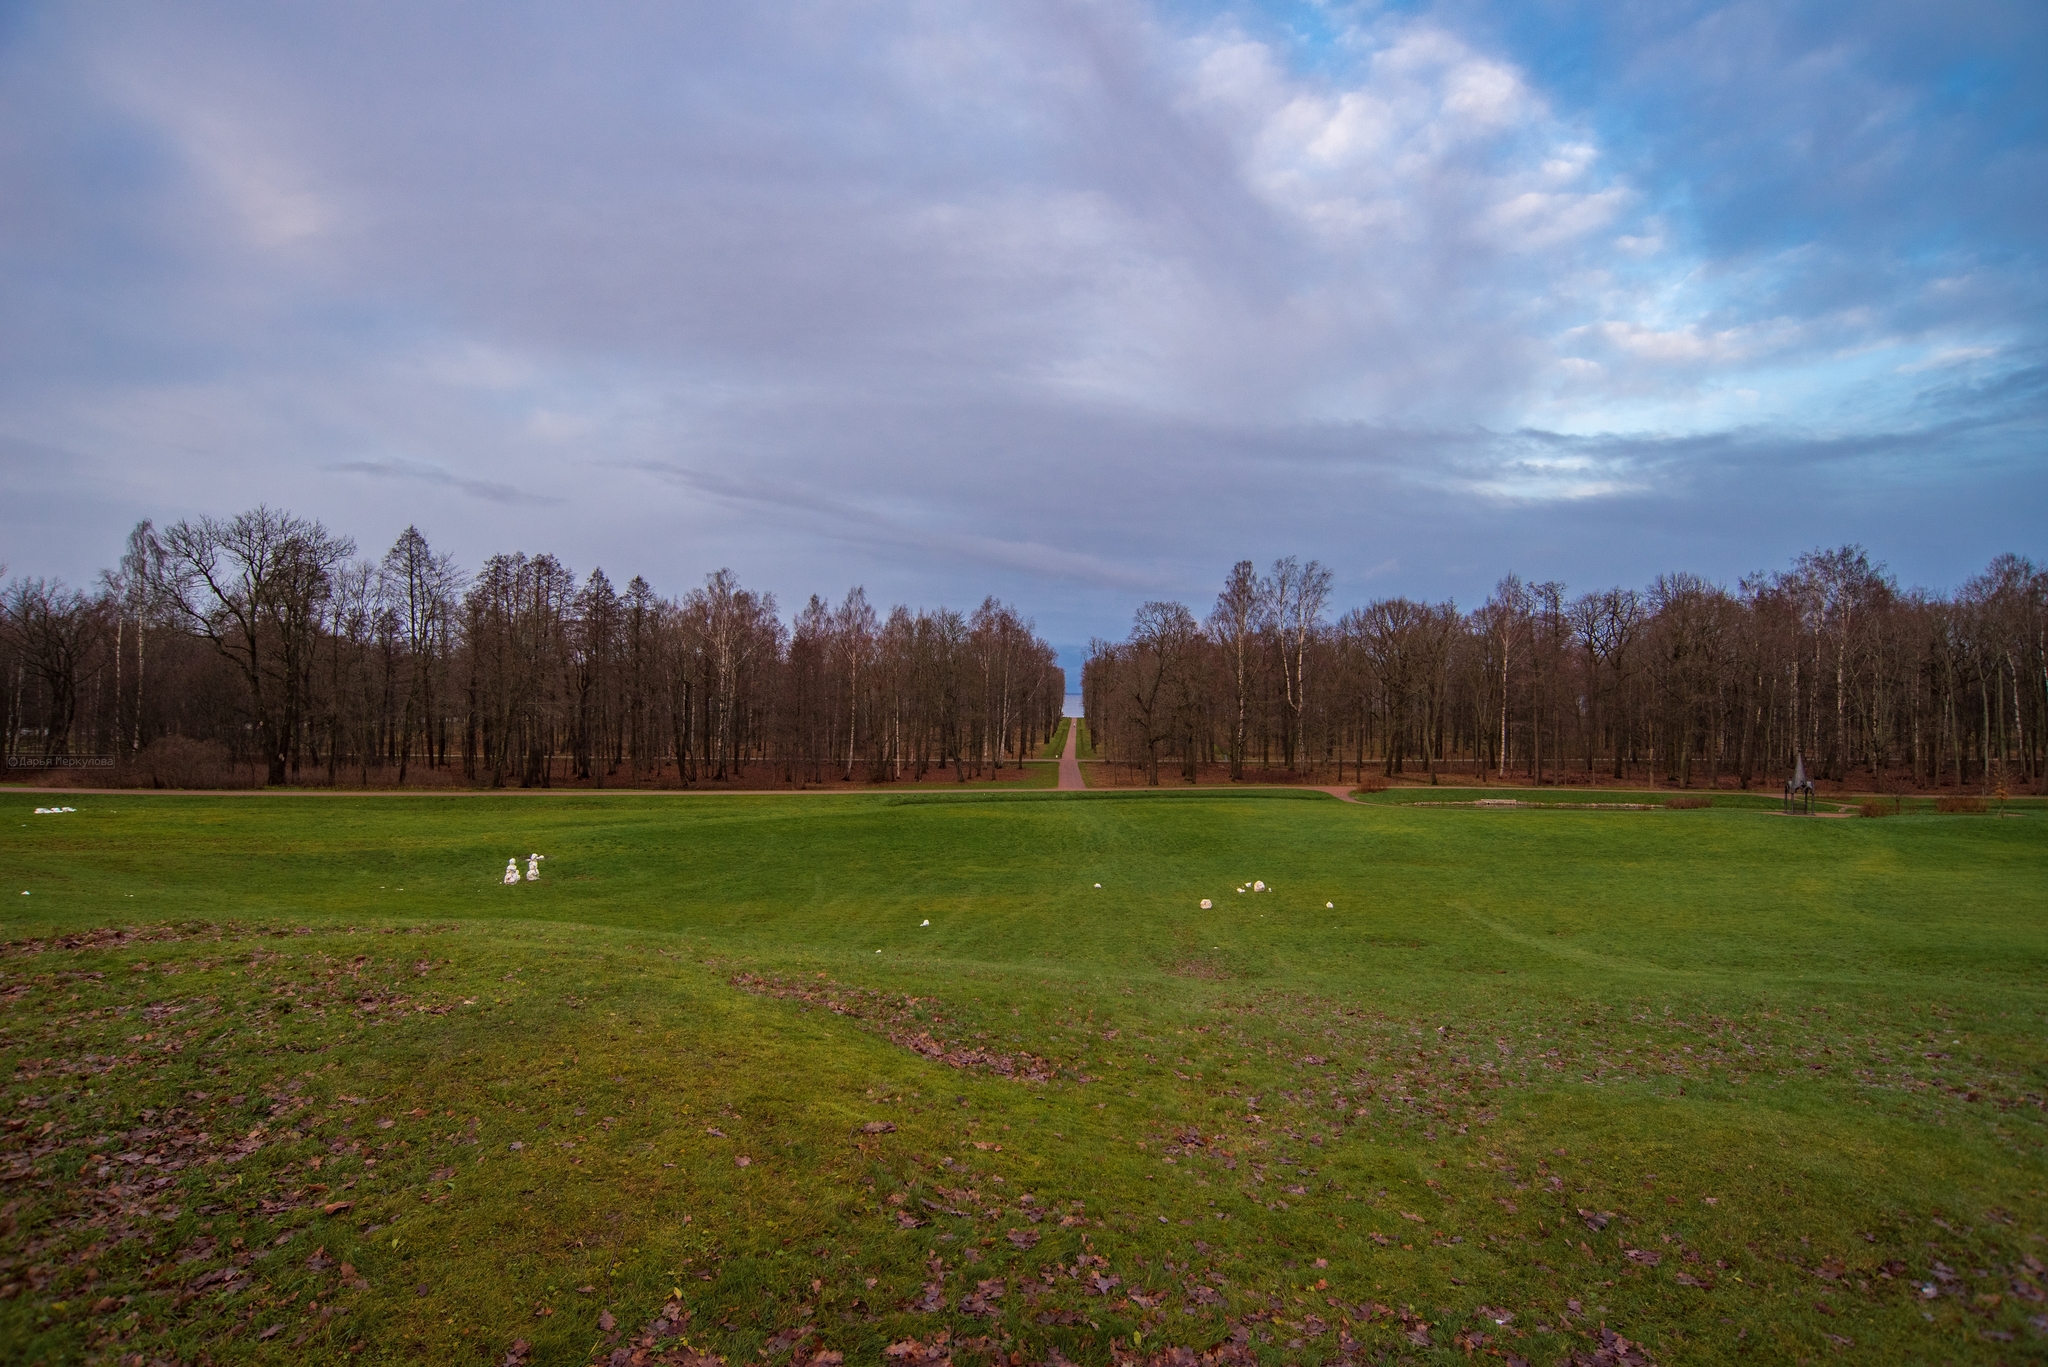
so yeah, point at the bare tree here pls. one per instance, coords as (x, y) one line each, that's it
(1234, 623)
(56, 631)
(253, 586)
(421, 588)
(1295, 595)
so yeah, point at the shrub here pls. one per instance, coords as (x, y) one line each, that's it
(1875, 807)
(181, 762)
(1685, 804)
(1372, 784)
(1960, 805)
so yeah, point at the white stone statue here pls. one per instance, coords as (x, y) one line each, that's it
(533, 867)
(511, 870)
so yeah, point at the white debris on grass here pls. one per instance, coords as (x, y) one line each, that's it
(925, 922)
(1329, 906)
(53, 811)
(1098, 885)
(1205, 904)
(1257, 886)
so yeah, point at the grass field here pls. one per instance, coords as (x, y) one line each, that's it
(299, 1079)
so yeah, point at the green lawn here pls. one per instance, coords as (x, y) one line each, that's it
(1733, 1086)
(1053, 748)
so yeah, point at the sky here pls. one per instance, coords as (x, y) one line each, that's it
(1073, 302)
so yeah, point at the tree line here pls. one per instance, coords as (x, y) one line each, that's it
(1686, 681)
(263, 643)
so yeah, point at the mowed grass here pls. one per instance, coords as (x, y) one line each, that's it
(1733, 1086)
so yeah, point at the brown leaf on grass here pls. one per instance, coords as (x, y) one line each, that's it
(981, 1301)
(1416, 1218)
(931, 1299)
(1023, 1238)
(879, 1127)
(1614, 1351)
(715, 1132)
(907, 1022)
(607, 1321)
(1596, 1220)
(337, 1207)
(319, 1261)
(1099, 1284)
(783, 1340)
(515, 1356)
(826, 1357)
(1687, 1279)
(272, 1332)
(742, 1161)
(905, 1220)
(1647, 1257)
(913, 1353)
(1379, 1238)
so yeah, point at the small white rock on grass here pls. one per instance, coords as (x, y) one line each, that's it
(1205, 904)
(925, 922)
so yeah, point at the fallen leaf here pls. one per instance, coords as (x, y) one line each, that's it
(742, 1161)
(1023, 1238)
(272, 1332)
(607, 1321)
(878, 1127)
(337, 1207)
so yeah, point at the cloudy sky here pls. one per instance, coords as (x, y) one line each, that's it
(1070, 301)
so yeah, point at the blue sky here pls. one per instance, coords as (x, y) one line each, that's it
(1074, 303)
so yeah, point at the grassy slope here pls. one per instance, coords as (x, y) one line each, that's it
(1053, 748)
(1832, 1029)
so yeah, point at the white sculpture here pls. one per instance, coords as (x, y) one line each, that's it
(533, 867)
(511, 870)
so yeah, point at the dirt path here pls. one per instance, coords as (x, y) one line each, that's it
(1070, 762)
